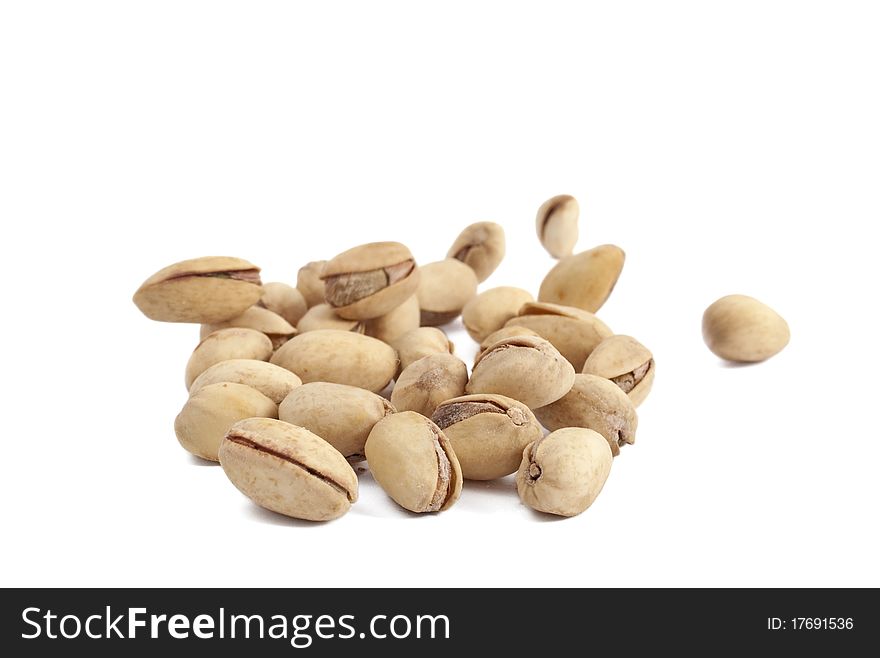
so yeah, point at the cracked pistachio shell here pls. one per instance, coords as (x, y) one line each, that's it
(572, 331)
(480, 246)
(557, 225)
(210, 412)
(428, 382)
(225, 344)
(210, 289)
(597, 404)
(740, 328)
(445, 287)
(626, 362)
(413, 462)
(285, 300)
(584, 280)
(419, 343)
(396, 323)
(261, 319)
(564, 472)
(524, 368)
(308, 282)
(339, 357)
(288, 470)
(491, 309)
(488, 433)
(512, 331)
(322, 316)
(370, 280)
(341, 415)
(272, 381)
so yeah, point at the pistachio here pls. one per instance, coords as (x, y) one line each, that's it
(225, 344)
(627, 363)
(261, 319)
(505, 332)
(445, 287)
(285, 300)
(557, 225)
(322, 316)
(397, 322)
(584, 280)
(420, 343)
(272, 381)
(308, 282)
(740, 328)
(428, 382)
(488, 311)
(481, 246)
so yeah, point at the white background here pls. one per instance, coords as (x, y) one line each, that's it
(727, 147)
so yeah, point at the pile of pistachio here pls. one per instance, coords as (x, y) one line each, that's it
(286, 386)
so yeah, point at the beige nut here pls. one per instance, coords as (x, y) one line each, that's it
(480, 246)
(584, 280)
(288, 470)
(261, 319)
(341, 415)
(272, 381)
(339, 357)
(396, 323)
(572, 331)
(210, 412)
(491, 309)
(557, 225)
(414, 463)
(285, 300)
(740, 328)
(210, 289)
(597, 404)
(370, 280)
(428, 382)
(445, 287)
(564, 472)
(488, 433)
(627, 363)
(322, 316)
(308, 282)
(524, 368)
(419, 343)
(505, 332)
(225, 344)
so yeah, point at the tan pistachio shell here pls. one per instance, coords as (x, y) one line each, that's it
(491, 309)
(572, 331)
(584, 280)
(261, 319)
(481, 246)
(741, 328)
(428, 382)
(396, 323)
(445, 287)
(308, 282)
(285, 300)
(322, 316)
(226, 344)
(420, 343)
(272, 381)
(626, 362)
(557, 225)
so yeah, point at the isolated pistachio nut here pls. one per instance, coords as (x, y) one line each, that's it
(210, 289)
(505, 332)
(564, 472)
(308, 282)
(322, 316)
(370, 280)
(597, 404)
(225, 344)
(557, 225)
(740, 328)
(444, 288)
(414, 463)
(488, 433)
(288, 470)
(428, 382)
(339, 357)
(480, 246)
(209, 412)
(524, 368)
(272, 381)
(626, 362)
(285, 300)
(261, 319)
(396, 322)
(584, 280)
(420, 343)
(491, 309)
(572, 331)
(341, 415)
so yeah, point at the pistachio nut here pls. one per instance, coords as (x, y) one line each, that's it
(505, 332)
(740, 328)
(272, 381)
(524, 368)
(481, 246)
(487, 432)
(414, 463)
(491, 309)
(397, 322)
(288, 470)
(584, 280)
(428, 382)
(627, 363)
(597, 404)
(210, 289)
(261, 319)
(445, 287)
(564, 472)
(308, 282)
(572, 331)
(420, 343)
(339, 357)
(285, 300)
(225, 344)
(557, 225)
(370, 280)
(322, 316)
